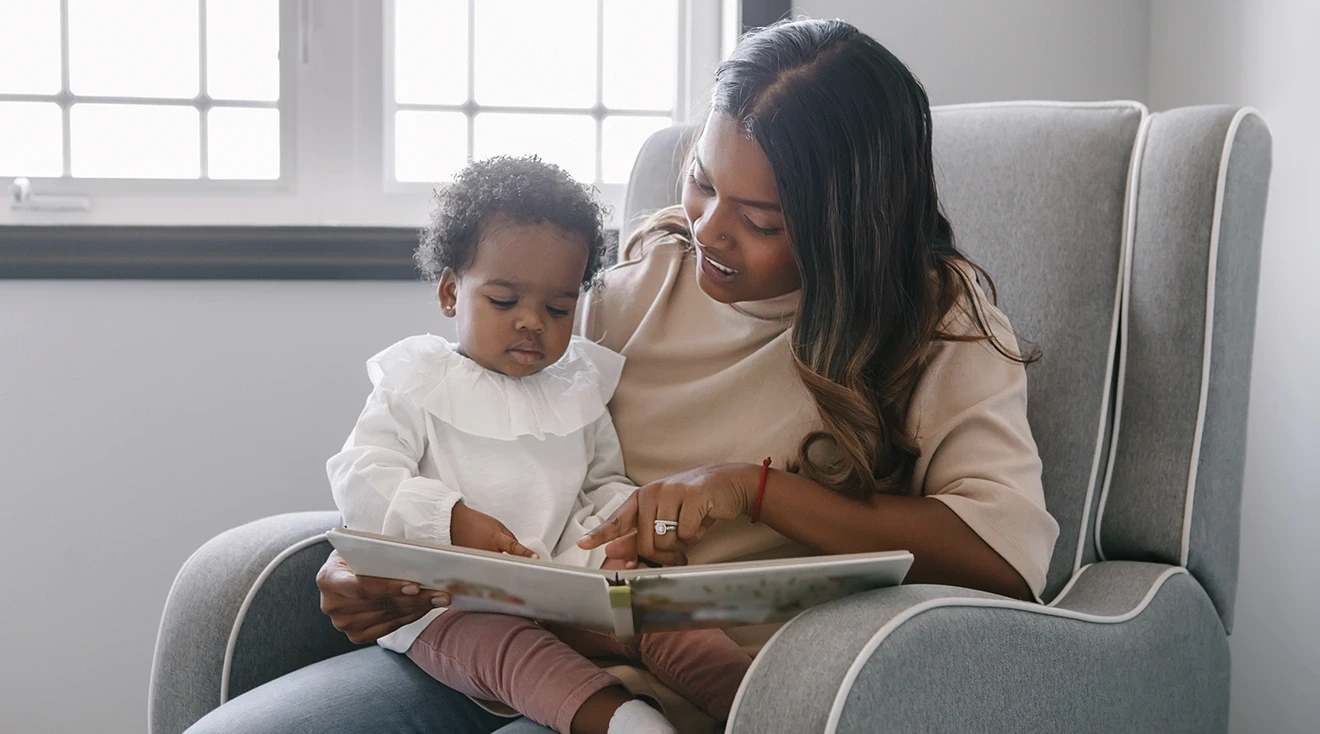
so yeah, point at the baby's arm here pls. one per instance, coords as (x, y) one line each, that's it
(374, 477)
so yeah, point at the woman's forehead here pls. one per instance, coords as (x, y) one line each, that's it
(734, 162)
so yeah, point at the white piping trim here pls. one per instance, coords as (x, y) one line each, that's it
(1130, 104)
(1069, 586)
(854, 670)
(1211, 267)
(1120, 292)
(155, 650)
(1121, 330)
(756, 660)
(247, 602)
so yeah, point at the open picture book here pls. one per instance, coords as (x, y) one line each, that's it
(622, 602)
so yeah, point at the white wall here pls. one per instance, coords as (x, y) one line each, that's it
(1265, 53)
(137, 420)
(977, 51)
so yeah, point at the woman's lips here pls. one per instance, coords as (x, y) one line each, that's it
(714, 269)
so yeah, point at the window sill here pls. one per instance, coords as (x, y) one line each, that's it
(207, 253)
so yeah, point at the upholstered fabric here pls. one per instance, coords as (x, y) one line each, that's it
(281, 629)
(1041, 195)
(1143, 651)
(1177, 484)
(656, 175)
(1036, 194)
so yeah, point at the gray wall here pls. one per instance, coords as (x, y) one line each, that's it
(978, 51)
(139, 420)
(1265, 54)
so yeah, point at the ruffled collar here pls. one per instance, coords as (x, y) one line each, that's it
(557, 401)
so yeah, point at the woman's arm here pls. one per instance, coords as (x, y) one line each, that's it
(945, 549)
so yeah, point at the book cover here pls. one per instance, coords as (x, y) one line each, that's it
(623, 602)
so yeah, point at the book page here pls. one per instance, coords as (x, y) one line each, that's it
(480, 581)
(735, 594)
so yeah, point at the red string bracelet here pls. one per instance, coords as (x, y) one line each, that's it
(760, 491)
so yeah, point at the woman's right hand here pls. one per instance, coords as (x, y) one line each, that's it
(367, 608)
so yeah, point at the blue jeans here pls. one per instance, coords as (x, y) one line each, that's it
(368, 690)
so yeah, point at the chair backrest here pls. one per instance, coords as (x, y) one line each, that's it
(1189, 327)
(1047, 197)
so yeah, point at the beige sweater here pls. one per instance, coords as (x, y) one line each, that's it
(708, 383)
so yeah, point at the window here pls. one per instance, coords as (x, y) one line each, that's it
(582, 83)
(312, 112)
(155, 89)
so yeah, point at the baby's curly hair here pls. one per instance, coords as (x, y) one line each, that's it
(525, 189)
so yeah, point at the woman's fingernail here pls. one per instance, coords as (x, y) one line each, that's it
(411, 590)
(440, 601)
(536, 556)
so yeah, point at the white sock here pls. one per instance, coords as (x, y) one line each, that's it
(635, 717)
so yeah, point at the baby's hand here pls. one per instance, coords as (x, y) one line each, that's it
(470, 528)
(621, 556)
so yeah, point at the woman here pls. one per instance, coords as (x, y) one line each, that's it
(806, 302)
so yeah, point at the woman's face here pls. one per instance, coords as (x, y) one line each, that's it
(732, 205)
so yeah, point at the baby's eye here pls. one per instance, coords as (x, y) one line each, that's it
(502, 305)
(557, 312)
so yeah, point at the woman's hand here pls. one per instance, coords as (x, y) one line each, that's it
(367, 608)
(470, 528)
(694, 499)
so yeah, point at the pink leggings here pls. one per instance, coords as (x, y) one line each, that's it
(543, 671)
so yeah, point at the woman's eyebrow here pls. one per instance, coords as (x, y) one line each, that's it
(767, 205)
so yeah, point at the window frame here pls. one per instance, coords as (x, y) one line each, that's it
(333, 173)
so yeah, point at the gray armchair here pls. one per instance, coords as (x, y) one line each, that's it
(1127, 246)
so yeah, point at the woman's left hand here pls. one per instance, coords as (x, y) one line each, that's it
(694, 499)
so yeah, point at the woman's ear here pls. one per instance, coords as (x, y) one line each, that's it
(447, 293)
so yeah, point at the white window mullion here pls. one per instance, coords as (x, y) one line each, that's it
(699, 40)
(203, 98)
(64, 86)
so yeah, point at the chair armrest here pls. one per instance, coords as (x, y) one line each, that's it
(1128, 647)
(243, 610)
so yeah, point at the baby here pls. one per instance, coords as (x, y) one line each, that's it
(503, 442)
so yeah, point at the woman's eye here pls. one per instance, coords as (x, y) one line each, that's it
(763, 231)
(502, 305)
(692, 178)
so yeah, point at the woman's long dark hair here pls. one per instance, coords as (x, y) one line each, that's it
(847, 129)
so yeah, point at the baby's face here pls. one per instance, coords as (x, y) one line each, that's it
(515, 303)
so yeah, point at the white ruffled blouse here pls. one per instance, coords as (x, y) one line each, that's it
(538, 453)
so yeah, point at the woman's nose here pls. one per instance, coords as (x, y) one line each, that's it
(711, 230)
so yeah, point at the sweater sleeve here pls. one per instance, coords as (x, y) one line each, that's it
(977, 452)
(374, 478)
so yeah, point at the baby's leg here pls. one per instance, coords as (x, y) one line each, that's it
(703, 666)
(511, 660)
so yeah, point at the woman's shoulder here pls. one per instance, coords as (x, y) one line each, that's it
(974, 313)
(975, 357)
(646, 272)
